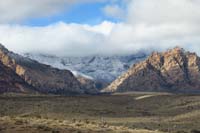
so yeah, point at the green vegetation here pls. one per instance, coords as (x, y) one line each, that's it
(130, 112)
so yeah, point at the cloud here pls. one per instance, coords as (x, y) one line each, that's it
(114, 11)
(149, 25)
(59, 39)
(19, 10)
(164, 11)
(163, 24)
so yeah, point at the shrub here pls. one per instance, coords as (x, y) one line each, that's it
(195, 131)
(55, 131)
(44, 128)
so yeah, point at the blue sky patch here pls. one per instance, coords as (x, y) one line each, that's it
(90, 13)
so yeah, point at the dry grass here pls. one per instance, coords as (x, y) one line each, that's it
(52, 125)
(115, 113)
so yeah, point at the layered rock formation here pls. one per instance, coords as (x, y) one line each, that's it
(175, 70)
(11, 82)
(42, 78)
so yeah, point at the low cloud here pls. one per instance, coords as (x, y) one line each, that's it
(59, 39)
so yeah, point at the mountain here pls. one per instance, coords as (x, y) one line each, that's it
(43, 78)
(89, 85)
(174, 70)
(11, 82)
(101, 69)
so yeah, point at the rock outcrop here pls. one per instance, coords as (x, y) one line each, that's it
(43, 78)
(173, 71)
(11, 82)
(89, 85)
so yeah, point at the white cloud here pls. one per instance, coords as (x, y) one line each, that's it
(59, 39)
(164, 11)
(150, 25)
(114, 11)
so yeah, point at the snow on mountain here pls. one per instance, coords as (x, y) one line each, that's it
(99, 68)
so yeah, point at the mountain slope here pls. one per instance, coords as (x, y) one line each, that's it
(42, 77)
(174, 70)
(103, 69)
(11, 82)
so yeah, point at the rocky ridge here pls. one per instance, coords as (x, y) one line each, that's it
(42, 78)
(175, 70)
(11, 82)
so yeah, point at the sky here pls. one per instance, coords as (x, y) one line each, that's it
(99, 27)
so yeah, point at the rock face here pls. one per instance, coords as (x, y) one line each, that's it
(89, 85)
(42, 77)
(11, 82)
(175, 70)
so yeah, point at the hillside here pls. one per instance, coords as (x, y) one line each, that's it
(43, 78)
(175, 70)
(11, 82)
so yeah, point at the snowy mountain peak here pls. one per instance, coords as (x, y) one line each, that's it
(100, 68)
